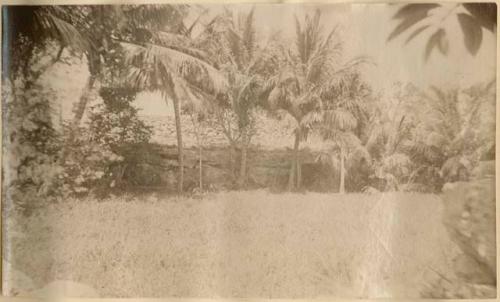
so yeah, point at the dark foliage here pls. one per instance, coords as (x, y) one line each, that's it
(478, 16)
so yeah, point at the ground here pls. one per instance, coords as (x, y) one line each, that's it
(235, 244)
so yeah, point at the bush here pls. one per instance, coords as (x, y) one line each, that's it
(105, 147)
(32, 146)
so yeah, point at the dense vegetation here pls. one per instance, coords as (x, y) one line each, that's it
(220, 73)
(100, 189)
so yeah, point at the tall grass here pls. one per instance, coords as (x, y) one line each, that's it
(237, 244)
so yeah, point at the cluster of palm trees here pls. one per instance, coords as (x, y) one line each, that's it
(215, 66)
(220, 69)
(428, 137)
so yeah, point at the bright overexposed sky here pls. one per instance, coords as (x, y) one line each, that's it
(364, 30)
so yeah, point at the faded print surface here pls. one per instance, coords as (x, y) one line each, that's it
(250, 151)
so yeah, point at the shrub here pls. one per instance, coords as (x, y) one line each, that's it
(32, 144)
(104, 148)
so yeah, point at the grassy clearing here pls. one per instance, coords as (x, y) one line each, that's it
(238, 244)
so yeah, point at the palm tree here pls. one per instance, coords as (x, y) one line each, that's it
(305, 71)
(106, 27)
(197, 120)
(94, 30)
(170, 64)
(343, 108)
(244, 63)
(452, 129)
(342, 148)
(390, 136)
(101, 32)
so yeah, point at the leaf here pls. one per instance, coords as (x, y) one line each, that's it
(411, 9)
(411, 15)
(433, 42)
(443, 44)
(415, 33)
(485, 14)
(473, 34)
(62, 31)
(248, 35)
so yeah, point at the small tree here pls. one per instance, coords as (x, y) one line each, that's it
(342, 109)
(390, 136)
(197, 119)
(451, 139)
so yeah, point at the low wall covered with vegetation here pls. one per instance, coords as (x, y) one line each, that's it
(155, 166)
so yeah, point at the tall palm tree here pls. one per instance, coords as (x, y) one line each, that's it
(232, 40)
(100, 32)
(243, 66)
(306, 70)
(170, 64)
(106, 27)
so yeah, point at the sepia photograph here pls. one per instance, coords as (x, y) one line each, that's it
(249, 150)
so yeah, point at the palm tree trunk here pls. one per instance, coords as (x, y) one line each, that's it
(342, 172)
(291, 177)
(293, 180)
(243, 161)
(180, 149)
(299, 172)
(232, 161)
(82, 103)
(79, 112)
(197, 131)
(201, 166)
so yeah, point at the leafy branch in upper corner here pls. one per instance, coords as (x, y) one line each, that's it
(472, 17)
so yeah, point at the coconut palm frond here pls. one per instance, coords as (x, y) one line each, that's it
(340, 119)
(249, 33)
(177, 60)
(188, 30)
(397, 163)
(48, 23)
(233, 41)
(308, 37)
(425, 152)
(339, 74)
(375, 138)
(62, 31)
(275, 98)
(163, 64)
(311, 119)
(155, 16)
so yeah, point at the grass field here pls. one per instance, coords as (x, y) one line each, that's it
(236, 244)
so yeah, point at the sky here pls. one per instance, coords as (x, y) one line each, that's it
(364, 29)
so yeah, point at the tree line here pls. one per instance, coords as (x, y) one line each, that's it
(223, 68)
